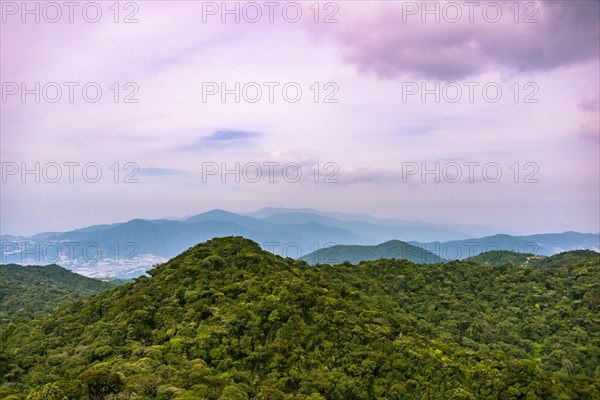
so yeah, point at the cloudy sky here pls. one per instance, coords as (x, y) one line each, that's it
(483, 113)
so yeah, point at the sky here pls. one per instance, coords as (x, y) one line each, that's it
(477, 112)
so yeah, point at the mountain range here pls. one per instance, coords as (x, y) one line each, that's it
(226, 320)
(128, 249)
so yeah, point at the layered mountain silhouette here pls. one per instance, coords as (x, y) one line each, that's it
(129, 249)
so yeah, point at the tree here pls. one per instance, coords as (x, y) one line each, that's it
(47, 392)
(101, 382)
(232, 392)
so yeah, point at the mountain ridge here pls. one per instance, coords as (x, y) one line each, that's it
(227, 320)
(354, 254)
(128, 249)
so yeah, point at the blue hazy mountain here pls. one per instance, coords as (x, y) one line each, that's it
(532, 245)
(546, 244)
(455, 230)
(128, 249)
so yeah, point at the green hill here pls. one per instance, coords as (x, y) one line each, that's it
(226, 320)
(567, 257)
(355, 254)
(33, 291)
(501, 257)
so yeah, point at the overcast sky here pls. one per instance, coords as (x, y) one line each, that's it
(511, 103)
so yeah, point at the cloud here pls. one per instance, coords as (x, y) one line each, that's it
(418, 130)
(392, 44)
(230, 136)
(169, 54)
(153, 171)
(591, 103)
(378, 176)
(590, 130)
(223, 139)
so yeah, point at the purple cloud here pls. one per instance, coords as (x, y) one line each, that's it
(590, 131)
(393, 44)
(591, 103)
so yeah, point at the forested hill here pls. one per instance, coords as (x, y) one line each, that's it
(500, 257)
(32, 291)
(568, 257)
(226, 320)
(356, 253)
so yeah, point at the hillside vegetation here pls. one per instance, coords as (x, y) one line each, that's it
(356, 253)
(33, 291)
(501, 257)
(227, 320)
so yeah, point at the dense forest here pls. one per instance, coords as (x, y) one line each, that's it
(357, 253)
(227, 320)
(33, 291)
(501, 257)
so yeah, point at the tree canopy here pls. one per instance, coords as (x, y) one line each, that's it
(227, 320)
(32, 291)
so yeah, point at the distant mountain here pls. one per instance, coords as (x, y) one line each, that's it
(369, 232)
(464, 230)
(541, 244)
(33, 291)
(492, 250)
(127, 250)
(355, 254)
(226, 216)
(553, 243)
(96, 228)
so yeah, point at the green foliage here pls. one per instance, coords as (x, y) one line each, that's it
(11, 394)
(567, 257)
(72, 389)
(355, 254)
(232, 392)
(101, 382)
(501, 257)
(33, 291)
(226, 320)
(47, 392)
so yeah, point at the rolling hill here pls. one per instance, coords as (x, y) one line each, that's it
(33, 291)
(501, 257)
(356, 254)
(227, 320)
